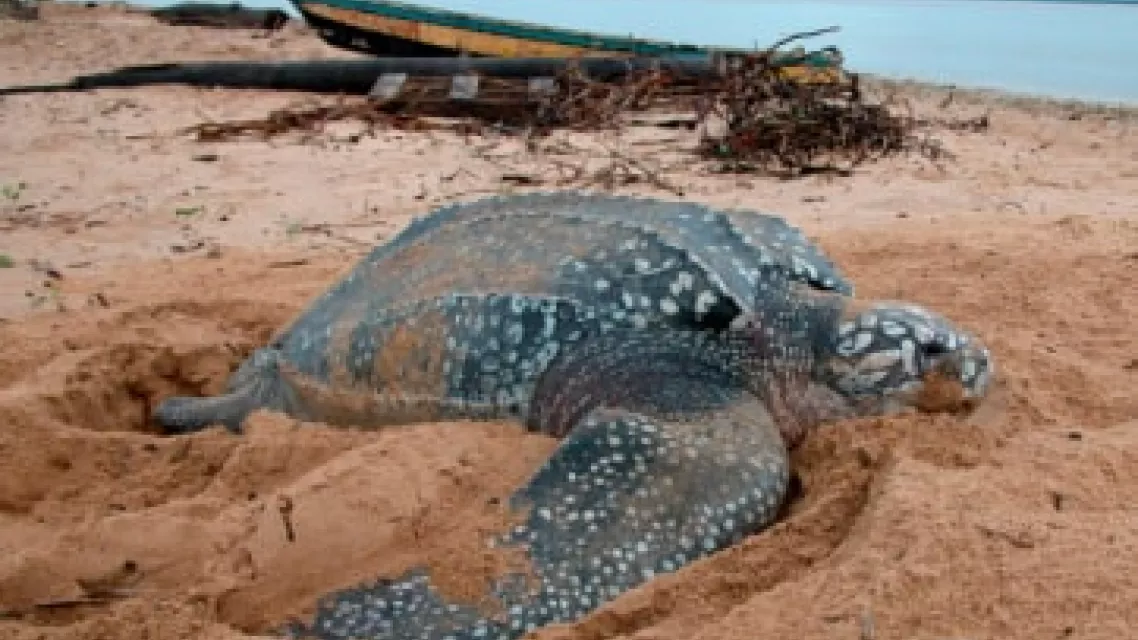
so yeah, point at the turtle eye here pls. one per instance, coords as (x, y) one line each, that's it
(934, 348)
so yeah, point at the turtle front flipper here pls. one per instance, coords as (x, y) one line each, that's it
(689, 465)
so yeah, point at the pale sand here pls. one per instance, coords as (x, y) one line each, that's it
(1015, 523)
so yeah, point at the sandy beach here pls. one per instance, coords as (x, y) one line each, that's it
(138, 262)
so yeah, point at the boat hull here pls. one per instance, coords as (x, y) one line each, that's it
(385, 28)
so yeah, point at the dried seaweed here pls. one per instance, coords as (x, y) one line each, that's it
(582, 103)
(311, 119)
(774, 123)
(765, 119)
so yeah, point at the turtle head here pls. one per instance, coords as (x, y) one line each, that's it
(890, 356)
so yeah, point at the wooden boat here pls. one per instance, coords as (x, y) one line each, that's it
(390, 28)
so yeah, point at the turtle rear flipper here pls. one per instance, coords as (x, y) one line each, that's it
(684, 469)
(187, 414)
(256, 385)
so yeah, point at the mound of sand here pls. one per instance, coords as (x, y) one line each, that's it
(1015, 522)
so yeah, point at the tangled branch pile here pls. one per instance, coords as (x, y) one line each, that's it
(771, 111)
(774, 122)
(580, 102)
(313, 118)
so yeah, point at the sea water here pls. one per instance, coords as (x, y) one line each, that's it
(1064, 49)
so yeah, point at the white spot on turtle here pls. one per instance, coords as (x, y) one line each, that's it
(705, 300)
(550, 325)
(801, 267)
(982, 380)
(642, 265)
(892, 329)
(923, 334)
(669, 306)
(881, 360)
(918, 311)
(601, 284)
(683, 282)
(855, 344)
(909, 356)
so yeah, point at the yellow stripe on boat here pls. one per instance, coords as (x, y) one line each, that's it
(474, 42)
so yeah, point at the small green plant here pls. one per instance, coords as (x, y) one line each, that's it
(6, 261)
(50, 294)
(185, 212)
(13, 192)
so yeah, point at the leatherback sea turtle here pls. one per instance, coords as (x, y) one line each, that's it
(676, 350)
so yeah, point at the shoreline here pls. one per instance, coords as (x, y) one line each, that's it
(1123, 107)
(1005, 97)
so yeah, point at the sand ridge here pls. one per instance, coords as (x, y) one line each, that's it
(1015, 522)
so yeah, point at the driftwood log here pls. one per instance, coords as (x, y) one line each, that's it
(221, 16)
(20, 9)
(357, 77)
